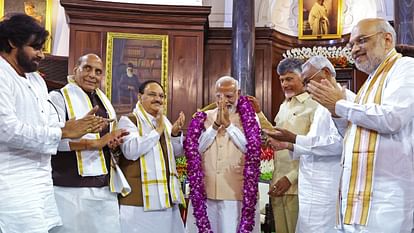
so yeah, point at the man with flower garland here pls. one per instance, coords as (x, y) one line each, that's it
(295, 114)
(223, 148)
(149, 165)
(319, 153)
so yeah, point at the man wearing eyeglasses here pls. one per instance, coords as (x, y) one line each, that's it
(319, 153)
(377, 184)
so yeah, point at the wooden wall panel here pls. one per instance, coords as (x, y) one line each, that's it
(185, 86)
(89, 22)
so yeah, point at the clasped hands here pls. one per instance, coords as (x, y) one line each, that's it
(223, 115)
(76, 128)
(176, 127)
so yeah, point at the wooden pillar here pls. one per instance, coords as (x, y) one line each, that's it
(243, 40)
(403, 23)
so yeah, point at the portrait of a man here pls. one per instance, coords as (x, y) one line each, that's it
(319, 19)
(131, 60)
(34, 8)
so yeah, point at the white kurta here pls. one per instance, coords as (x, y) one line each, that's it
(29, 135)
(134, 218)
(392, 202)
(224, 215)
(319, 153)
(78, 205)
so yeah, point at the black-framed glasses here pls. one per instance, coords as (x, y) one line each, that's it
(362, 40)
(307, 80)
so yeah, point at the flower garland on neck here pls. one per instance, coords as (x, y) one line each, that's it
(251, 170)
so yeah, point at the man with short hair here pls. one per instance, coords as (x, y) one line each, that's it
(296, 114)
(149, 165)
(377, 183)
(81, 168)
(30, 130)
(319, 153)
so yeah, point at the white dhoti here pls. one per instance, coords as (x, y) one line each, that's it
(224, 217)
(87, 210)
(135, 220)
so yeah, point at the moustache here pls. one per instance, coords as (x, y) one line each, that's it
(156, 102)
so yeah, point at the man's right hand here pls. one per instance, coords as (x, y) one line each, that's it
(88, 124)
(281, 186)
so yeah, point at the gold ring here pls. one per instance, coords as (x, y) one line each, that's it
(89, 130)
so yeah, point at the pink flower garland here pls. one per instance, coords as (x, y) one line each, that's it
(251, 171)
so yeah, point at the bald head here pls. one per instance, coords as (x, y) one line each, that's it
(376, 25)
(89, 72)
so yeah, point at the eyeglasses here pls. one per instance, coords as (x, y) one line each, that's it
(361, 41)
(307, 80)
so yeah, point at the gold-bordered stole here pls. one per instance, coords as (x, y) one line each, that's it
(364, 149)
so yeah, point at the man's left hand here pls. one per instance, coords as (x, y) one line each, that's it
(326, 94)
(178, 124)
(255, 103)
(280, 134)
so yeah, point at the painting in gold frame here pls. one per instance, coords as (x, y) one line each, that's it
(132, 59)
(41, 10)
(320, 19)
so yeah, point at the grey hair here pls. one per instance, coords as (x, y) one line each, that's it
(287, 65)
(228, 78)
(320, 62)
(385, 26)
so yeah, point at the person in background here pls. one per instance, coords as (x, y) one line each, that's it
(149, 165)
(128, 86)
(30, 10)
(30, 130)
(80, 169)
(318, 18)
(377, 182)
(296, 114)
(319, 154)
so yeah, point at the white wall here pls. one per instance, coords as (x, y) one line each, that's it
(281, 15)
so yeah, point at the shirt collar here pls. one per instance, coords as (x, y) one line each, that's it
(301, 97)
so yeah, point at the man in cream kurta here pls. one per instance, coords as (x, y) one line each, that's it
(29, 129)
(295, 114)
(149, 166)
(222, 146)
(377, 187)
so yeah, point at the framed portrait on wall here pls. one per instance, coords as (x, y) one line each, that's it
(132, 59)
(41, 10)
(320, 19)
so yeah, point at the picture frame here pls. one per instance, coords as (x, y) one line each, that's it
(41, 10)
(131, 57)
(320, 19)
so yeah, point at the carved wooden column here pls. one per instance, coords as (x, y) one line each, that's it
(243, 45)
(404, 25)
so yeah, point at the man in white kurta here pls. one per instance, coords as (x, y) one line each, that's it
(319, 153)
(376, 192)
(149, 166)
(29, 129)
(222, 146)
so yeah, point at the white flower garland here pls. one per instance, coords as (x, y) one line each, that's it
(332, 53)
